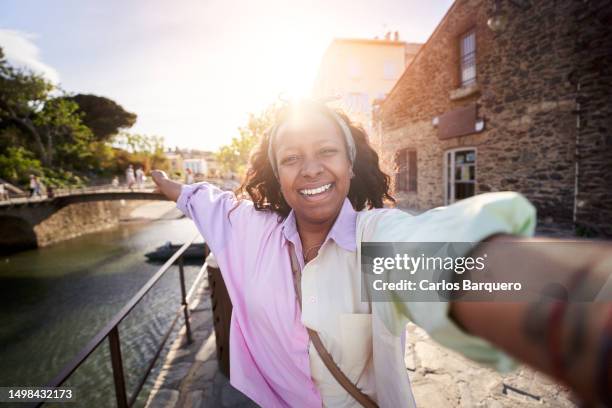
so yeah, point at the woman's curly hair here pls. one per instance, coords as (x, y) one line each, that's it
(370, 186)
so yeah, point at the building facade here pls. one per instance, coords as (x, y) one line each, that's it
(360, 71)
(175, 162)
(197, 166)
(509, 95)
(202, 163)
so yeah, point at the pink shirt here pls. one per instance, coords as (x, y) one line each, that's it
(268, 343)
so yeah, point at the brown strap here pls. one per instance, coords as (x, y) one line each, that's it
(327, 359)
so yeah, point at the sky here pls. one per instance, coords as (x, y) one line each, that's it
(192, 70)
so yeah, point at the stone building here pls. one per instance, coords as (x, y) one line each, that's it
(360, 71)
(508, 95)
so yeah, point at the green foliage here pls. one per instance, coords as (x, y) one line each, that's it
(62, 179)
(17, 163)
(67, 139)
(235, 156)
(103, 116)
(48, 125)
(22, 93)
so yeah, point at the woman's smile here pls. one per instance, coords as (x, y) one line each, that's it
(317, 193)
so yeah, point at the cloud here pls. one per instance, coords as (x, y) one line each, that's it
(20, 49)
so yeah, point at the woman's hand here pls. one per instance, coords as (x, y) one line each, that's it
(165, 186)
(158, 177)
(561, 337)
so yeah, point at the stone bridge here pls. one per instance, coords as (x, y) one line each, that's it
(32, 222)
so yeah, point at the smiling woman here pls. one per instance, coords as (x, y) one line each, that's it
(300, 334)
(311, 159)
(306, 163)
(312, 134)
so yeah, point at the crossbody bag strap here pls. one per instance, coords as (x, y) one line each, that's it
(327, 359)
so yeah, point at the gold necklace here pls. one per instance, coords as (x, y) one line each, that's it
(311, 248)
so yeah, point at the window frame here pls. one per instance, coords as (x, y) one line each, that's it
(467, 56)
(354, 69)
(449, 188)
(406, 172)
(390, 70)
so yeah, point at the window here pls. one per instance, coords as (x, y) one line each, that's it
(459, 174)
(467, 47)
(406, 171)
(356, 102)
(390, 70)
(354, 68)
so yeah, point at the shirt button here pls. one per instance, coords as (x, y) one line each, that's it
(313, 299)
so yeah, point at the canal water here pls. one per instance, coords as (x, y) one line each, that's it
(54, 300)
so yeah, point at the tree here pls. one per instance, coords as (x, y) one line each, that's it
(66, 139)
(49, 125)
(235, 156)
(143, 150)
(103, 116)
(22, 95)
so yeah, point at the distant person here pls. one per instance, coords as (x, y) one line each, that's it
(39, 186)
(130, 178)
(139, 177)
(189, 176)
(34, 186)
(3, 192)
(115, 182)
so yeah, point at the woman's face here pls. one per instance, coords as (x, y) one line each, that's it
(313, 167)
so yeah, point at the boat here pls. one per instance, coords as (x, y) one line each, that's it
(195, 252)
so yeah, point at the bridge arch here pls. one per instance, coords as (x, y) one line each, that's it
(17, 234)
(28, 224)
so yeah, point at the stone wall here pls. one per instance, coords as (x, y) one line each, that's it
(44, 222)
(78, 219)
(526, 94)
(593, 79)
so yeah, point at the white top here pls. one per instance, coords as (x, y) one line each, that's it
(368, 347)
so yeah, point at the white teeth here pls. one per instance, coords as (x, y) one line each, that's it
(316, 190)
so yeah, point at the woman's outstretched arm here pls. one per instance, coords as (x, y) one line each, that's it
(167, 187)
(570, 341)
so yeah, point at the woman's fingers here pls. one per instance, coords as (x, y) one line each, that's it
(158, 176)
(165, 186)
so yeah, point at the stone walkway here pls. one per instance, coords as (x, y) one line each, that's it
(189, 377)
(443, 378)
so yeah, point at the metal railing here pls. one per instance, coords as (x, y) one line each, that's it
(111, 332)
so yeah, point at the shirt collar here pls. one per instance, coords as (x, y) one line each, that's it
(342, 232)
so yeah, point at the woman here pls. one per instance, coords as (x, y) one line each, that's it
(308, 181)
